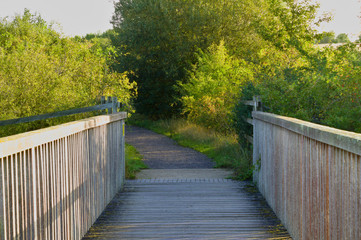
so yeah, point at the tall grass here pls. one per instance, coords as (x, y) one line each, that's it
(133, 162)
(224, 149)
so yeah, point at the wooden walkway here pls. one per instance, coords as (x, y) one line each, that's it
(188, 209)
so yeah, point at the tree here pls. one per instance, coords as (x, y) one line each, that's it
(342, 38)
(327, 37)
(42, 72)
(158, 40)
(214, 87)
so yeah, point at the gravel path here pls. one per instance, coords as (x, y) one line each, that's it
(161, 152)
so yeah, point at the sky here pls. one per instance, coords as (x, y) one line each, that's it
(76, 17)
(346, 17)
(79, 17)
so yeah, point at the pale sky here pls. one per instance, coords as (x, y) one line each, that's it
(76, 17)
(79, 17)
(346, 17)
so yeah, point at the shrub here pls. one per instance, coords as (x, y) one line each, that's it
(213, 87)
(42, 72)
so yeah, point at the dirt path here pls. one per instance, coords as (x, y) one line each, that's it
(161, 152)
(189, 200)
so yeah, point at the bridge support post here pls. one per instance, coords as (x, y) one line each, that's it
(115, 105)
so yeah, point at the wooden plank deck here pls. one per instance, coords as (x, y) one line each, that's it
(188, 209)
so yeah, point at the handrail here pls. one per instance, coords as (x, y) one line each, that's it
(257, 105)
(112, 106)
(55, 182)
(27, 140)
(310, 176)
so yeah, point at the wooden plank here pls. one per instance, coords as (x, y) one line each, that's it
(2, 200)
(249, 103)
(109, 101)
(56, 114)
(250, 121)
(20, 142)
(309, 176)
(202, 208)
(114, 104)
(249, 139)
(46, 190)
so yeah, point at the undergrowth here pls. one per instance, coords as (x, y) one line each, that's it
(224, 149)
(133, 162)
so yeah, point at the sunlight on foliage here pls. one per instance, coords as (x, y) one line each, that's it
(41, 72)
(223, 148)
(214, 87)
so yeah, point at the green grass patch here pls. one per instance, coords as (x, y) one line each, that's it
(133, 162)
(224, 149)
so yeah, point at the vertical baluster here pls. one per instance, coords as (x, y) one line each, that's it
(39, 191)
(53, 216)
(3, 210)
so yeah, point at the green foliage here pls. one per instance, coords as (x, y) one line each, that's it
(325, 92)
(42, 72)
(329, 37)
(133, 162)
(222, 148)
(285, 24)
(213, 88)
(342, 38)
(158, 41)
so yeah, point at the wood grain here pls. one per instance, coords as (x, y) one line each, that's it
(310, 176)
(188, 209)
(111, 105)
(58, 180)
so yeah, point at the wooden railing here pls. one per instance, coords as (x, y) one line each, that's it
(55, 182)
(310, 175)
(256, 105)
(111, 104)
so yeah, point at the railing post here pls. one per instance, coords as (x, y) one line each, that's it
(255, 103)
(109, 101)
(115, 104)
(122, 175)
(2, 213)
(259, 103)
(102, 101)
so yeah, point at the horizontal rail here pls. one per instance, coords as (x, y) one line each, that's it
(346, 140)
(249, 139)
(56, 114)
(249, 120)
(310, 176)
(55, 182)
(27, 140)
(249, 103)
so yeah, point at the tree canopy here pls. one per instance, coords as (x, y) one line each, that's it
(158, 39)
(42, 72)
(330, 37)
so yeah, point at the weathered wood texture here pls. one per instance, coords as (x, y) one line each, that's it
(188, 209)
(310, 176)
(257, 105)
(112, 105)
(55, 182)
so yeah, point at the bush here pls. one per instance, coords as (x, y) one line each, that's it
(41, 72)
(213, 88)
(222, 148)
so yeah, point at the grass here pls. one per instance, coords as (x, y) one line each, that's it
(133, 162)
(224, 149)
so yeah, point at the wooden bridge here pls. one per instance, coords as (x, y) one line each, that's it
(56, 182)
(188, 209)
